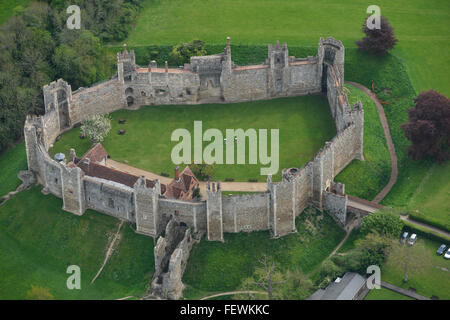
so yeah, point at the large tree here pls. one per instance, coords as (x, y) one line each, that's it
(377, 41)
(429, 127)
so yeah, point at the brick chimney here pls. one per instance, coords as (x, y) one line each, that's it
(177, 173)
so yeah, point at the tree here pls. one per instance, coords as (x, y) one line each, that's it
(429, 127)
(181, 53)
(410, 258)
(377, 41)
(385, 223)
(373, 250)
(265, 277)
(96, 127)
(296, 287)
(39, 293)
(202, 171)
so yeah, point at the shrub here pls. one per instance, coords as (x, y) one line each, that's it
(383, 222)
(164, 174)
(252, 180)
(229, 179)
(181, 53)
(377, 41)
(202, 171)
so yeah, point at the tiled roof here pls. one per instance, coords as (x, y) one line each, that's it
(179, 189)
(100, 171)
(96, 154)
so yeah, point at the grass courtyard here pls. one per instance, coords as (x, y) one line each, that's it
(304, 125)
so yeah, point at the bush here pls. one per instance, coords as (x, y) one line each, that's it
(164, 174)
(383, 222)
(181, 53)
(202, 171)
(252, 180)
(229, 179)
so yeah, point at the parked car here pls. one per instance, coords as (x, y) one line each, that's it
(447, 254)
(404, 236)
(412, 239)
(441, 249)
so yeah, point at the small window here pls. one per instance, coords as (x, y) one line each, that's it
(56, 180)
(110, 203)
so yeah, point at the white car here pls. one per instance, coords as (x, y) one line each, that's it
(412, 239)
(447, 254)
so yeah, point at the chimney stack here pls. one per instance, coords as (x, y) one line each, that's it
(177, 173)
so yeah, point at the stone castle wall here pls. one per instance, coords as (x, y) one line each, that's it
(212, 78)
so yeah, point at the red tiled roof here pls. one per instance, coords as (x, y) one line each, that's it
(179, 189)
(96, 154)
(100, 171)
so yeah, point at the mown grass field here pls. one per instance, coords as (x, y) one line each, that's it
(304, 125)
(385, 294)
(428, 278)
(38, 241)
(217, 267)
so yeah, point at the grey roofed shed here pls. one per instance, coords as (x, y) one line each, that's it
(347, 289)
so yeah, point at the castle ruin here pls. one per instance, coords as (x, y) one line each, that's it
(206, 79)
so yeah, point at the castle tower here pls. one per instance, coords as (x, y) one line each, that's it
(278, 56)
(58, 98)
(147, 209)
(72, 189)
(282, 207)
(214, 221)
(126, 65)
(331, 52)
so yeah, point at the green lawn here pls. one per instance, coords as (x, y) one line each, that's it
(428, 279)
(385, 294)
(431, 200)
(218, 267)
(304, 125)
(365, 179)
(420, 25)
(38, 241)
(9, 7)
(11, 162)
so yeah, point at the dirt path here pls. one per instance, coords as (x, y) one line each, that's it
(390, 144)
(348, 232)
(109, 251)
(230, 293)
(226, 186)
